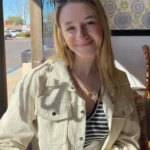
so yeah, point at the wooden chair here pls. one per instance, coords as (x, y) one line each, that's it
(145, 48)
(147, 57)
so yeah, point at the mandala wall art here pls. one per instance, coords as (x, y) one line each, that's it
(128, 14)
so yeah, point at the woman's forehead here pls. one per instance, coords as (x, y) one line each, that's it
(60, 2)
(76, 11)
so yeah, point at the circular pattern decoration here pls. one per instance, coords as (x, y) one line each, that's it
(137, 6)
(146, 20)
(123, 20)
(110, 7)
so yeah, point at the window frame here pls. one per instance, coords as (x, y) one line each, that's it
(3, 82)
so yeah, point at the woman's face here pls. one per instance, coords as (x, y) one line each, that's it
(81, 29)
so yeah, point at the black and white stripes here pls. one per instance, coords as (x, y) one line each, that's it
(96, 125)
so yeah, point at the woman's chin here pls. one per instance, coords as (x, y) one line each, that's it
(86, 55)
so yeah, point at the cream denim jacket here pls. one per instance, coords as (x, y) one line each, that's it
(46, 104)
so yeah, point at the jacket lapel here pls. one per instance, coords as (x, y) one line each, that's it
(59, 74)
(108, 108)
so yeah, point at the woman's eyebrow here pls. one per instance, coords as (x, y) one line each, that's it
(67, 23)
(88, 17)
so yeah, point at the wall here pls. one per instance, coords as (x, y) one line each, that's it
(130, 57)
(127, 14)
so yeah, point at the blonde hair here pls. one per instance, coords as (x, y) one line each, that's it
(104, 56)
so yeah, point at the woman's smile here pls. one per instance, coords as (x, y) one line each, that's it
(84, 44)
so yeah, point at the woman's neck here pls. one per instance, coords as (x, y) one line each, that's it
(85, 67)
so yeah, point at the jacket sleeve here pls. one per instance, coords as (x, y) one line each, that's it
(129, 137)
(16, 125)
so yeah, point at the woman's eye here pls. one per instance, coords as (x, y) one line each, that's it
(71, 28)
(90, 23)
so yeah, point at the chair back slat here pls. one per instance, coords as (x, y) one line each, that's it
(145, 48)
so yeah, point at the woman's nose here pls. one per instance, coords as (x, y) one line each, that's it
(81, 33)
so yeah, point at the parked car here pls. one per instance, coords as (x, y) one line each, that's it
(13, 33)
(19, 31)
(7, 34)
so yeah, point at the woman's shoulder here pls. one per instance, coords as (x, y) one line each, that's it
(48, 66)
(51, 68)
(43, 74)
(122, 76)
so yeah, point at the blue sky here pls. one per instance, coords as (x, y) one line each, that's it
(7, 9)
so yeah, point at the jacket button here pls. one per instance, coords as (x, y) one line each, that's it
(82, 111)
(112, 93)
(72, 87)
(81, 138)
(123, 112)
(53, 113)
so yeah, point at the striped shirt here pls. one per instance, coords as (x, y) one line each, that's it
(96, 125)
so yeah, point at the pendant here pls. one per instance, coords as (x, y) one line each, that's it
(94, 96)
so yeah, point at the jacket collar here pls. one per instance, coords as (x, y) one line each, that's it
(59, 75)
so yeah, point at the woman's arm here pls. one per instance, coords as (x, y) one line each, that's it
(16, 124)
(129, 136)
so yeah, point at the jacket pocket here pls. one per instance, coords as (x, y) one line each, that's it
(122, 109)
(53, 122)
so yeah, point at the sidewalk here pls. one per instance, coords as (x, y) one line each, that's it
(14, 77)
(12, 80)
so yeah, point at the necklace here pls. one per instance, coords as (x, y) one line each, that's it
(92, 94)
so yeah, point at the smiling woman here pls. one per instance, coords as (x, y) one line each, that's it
(77, 99)
(81, 29)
